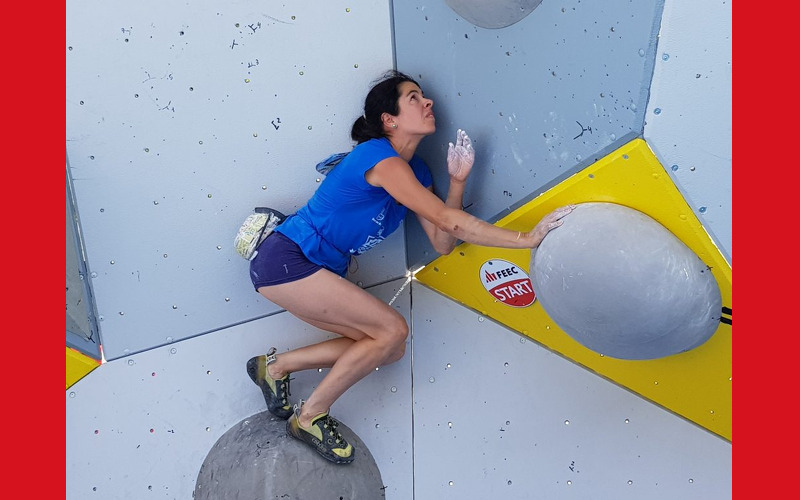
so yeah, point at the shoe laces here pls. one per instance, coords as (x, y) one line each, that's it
(286, 391)
(271, 358)
(330, 424)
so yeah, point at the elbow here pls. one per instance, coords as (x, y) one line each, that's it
(444, 244)
(444, 249)
(444, 236)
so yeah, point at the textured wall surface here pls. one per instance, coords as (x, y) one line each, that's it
(78, 306)
(690, 115)
(481, 413)
(499, 416)
(181, 118)
(140, 427)
(541, 98)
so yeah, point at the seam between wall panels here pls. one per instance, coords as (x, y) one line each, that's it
(391, 33)
(650, 65)
(413, 407)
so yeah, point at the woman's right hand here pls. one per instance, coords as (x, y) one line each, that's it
(460, 157)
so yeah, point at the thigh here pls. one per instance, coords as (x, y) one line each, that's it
(326, 300)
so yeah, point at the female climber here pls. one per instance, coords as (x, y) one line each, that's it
(301, 265)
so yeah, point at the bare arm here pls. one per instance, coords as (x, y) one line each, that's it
(397, 178)
(443, 242)
(460, 158)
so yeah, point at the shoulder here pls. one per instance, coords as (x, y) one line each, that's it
(375, 146)
(389, 170)
(372, 152)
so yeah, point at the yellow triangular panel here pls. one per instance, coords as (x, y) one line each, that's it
(695, 384)
(78, 365)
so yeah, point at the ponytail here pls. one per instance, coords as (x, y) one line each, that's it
(362, 132)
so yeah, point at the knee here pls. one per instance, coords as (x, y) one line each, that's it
(397, 354)
(399, 332)
(397, 337)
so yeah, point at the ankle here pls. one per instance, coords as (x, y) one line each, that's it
(274, 372)
(306, 417)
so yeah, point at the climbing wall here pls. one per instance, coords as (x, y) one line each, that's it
(696, 384)
(557, 100)
(181, 119)
(689, 122)
(541, 98)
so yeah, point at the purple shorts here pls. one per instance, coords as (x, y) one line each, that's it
(279, 260)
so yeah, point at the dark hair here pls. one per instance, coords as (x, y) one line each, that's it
(382, 98)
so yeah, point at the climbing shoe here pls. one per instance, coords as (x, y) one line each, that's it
(322, 435)
(276, 392)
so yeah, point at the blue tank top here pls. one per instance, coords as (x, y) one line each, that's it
(346, 215)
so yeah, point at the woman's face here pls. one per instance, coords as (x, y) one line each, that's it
(415, 112)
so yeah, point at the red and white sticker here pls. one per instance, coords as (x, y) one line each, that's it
(507, 283)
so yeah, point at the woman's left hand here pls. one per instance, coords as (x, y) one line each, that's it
(548, 223)
(460, 157)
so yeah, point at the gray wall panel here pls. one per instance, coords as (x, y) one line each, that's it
(690, 114)
(183, 117)
(498, 416)
(541, 98)
(191, 392)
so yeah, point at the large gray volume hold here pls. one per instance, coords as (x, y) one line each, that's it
(257, 460)
(493, 14)
(623, 285)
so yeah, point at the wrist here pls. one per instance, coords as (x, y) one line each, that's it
(531, 239)
(457, 181)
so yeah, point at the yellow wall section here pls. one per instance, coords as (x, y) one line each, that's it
(78, 365)
(694, 384)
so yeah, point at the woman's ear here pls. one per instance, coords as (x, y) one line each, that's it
(388, 121)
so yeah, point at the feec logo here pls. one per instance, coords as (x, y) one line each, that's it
(507, 283)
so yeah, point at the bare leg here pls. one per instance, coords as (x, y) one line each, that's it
(353, 365)
(322, 355)
(376, 334)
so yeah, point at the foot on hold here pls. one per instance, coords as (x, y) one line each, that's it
(276, 391)
(322, 436)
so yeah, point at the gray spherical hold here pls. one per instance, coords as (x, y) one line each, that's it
(494, 14)
(623, 285)
(257, 460)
